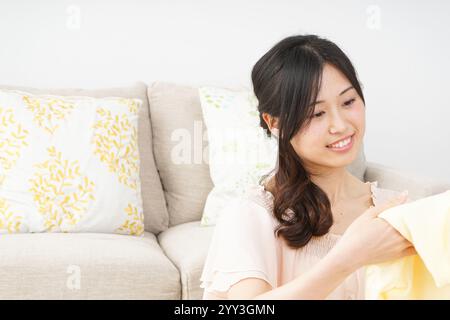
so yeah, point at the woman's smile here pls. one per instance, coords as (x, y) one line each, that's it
(342, 145)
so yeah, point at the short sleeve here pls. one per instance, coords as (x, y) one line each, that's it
(243, 245)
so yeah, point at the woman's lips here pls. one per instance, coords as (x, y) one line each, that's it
(343, 145)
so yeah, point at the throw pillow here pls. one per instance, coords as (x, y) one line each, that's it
(69, 164)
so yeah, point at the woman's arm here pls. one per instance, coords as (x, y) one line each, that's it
(367, 240)
(317, 283)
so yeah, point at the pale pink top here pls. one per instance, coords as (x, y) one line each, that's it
(244, 245)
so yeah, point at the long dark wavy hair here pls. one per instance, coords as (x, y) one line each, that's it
(286, 81)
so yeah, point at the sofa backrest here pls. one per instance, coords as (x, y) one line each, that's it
(177, 120)
(174, 112)
(156, 217)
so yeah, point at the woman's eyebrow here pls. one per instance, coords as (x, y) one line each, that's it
(344, 91)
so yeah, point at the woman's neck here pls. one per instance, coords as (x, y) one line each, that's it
(338, 184)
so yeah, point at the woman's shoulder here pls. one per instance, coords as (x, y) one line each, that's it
(258, 195)
(254, 206)
(381, 195)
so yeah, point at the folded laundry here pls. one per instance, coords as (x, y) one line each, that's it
(426, 224)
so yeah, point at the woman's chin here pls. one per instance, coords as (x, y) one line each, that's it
(331, 159)
(342, 159)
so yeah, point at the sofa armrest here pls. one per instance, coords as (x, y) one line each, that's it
(395, 179)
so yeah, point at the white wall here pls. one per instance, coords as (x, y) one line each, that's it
(400, 49)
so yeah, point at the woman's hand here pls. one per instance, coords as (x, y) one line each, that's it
(370, 239)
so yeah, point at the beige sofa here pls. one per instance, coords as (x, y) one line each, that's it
(166, 263)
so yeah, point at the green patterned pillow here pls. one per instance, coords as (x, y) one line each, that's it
(69, 164)
(240, 151)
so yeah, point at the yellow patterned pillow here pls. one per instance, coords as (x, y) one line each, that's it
(69, 164)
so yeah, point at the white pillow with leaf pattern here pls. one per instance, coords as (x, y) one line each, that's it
(69, 164)
(240, 151)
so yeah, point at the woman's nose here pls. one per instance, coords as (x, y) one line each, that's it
(337, 123)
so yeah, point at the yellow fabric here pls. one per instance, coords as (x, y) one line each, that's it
(425, 223)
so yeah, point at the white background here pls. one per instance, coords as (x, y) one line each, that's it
(401, 51)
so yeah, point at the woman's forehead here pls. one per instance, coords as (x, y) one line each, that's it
(333, 83)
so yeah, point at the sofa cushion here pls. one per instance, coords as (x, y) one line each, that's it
(177, 122)
(156, 217)
(240, 150)
(71, 164)
(85, 266)
(194, 239)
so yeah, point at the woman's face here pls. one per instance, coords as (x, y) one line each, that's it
(335, 133)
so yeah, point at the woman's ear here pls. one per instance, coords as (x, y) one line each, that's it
(271, 122)
(275, 123)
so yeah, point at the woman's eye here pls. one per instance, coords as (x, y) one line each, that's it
(318, 114)
(349, 102)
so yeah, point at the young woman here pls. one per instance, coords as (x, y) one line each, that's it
(310, 227)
